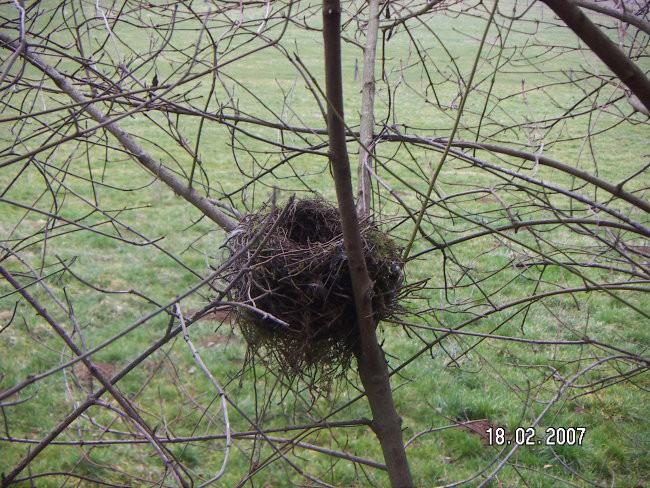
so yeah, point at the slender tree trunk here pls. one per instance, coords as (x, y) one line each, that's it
(373, 369)
(608, 52)
(367, 122)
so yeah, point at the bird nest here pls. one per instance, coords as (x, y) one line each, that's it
(292, 279)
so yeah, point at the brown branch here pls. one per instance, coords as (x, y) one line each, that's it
(621, 15)
(608, 52)
(126, 140)
(311, 447)
(254, 436)
(199, 438)
(549, 342)
(373, 369)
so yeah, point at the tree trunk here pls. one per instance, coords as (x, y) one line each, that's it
(373, 369)
(367, 121)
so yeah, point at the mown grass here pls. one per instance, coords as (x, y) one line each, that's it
(460, 379)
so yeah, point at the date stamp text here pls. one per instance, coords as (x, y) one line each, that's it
(527, 436)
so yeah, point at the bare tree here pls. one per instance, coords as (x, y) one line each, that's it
(484, 133)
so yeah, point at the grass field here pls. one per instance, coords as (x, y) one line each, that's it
(454, 378)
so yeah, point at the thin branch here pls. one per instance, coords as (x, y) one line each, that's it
(429, 5)
(616, 190)
(445, 153)
(124, 403)
(222, 397)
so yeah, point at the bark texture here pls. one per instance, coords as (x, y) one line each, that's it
(373, 369)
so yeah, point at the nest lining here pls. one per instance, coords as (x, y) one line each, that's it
(297, 287)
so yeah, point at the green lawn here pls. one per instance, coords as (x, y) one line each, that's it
(451, 378)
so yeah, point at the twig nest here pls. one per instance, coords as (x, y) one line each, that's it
(294, 285)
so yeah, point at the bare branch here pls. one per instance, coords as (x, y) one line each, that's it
(371, 362)
(127, 141)
(619, 14)
(624, 68)
(367, 115)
